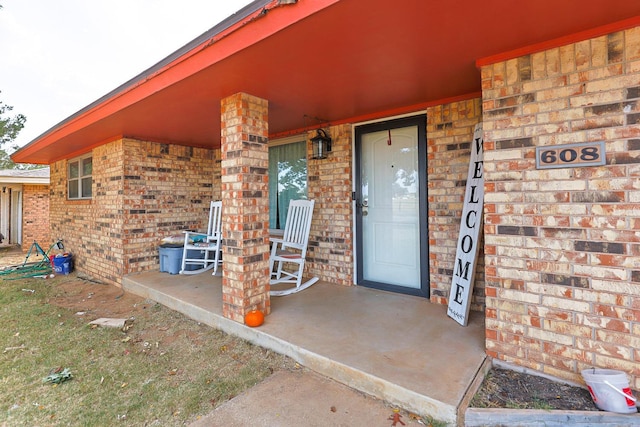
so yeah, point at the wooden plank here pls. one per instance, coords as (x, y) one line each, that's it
(464, 267)
(485, 417)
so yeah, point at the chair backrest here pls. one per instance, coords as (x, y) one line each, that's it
(298, 224)
(215, 218)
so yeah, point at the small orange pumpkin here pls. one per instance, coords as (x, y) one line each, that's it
(254, 318)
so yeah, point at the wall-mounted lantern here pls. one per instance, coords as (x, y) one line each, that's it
(321, 144)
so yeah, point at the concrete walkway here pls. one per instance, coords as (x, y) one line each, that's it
(293, 399)
(400, 349)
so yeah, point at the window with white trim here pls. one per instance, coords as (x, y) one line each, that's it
(79, 178)
(287, 177)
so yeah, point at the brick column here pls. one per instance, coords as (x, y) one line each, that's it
(245, 199)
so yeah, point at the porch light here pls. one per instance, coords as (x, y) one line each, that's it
(321, 144)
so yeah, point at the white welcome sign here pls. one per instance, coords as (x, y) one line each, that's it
(468, 241)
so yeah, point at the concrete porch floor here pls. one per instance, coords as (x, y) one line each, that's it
(398, 348)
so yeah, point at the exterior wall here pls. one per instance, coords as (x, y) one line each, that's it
(35, 216)
(449, 136)
(142, 192)
(562, 246)
(330, 253)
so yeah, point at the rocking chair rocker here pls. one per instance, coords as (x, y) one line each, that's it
(207, 245)
(292, 248)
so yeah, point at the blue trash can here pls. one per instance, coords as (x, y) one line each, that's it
(170, 259)
(63, 263)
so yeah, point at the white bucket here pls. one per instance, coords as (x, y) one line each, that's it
(610, 390)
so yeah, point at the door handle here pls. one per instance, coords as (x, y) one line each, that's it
(364, 206)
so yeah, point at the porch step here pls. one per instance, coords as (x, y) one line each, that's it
(323, 329)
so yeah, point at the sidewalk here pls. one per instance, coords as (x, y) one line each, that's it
(304, 398)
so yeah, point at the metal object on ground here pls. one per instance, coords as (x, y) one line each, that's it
(31, 269)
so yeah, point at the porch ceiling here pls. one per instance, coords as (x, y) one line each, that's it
(336, 60)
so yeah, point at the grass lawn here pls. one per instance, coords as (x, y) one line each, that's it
(166, 369)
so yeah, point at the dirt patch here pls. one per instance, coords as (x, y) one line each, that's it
(91, 299)
(87, 298)
(503, 388)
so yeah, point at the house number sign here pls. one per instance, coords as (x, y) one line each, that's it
(571, 155)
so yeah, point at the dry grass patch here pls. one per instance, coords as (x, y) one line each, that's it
(165, 370)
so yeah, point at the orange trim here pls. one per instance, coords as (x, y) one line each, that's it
(560, 41)
(379, 115)
(86, 149)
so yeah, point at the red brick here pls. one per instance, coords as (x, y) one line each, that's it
(581, 221)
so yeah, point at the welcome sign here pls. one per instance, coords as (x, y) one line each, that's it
(468, 240)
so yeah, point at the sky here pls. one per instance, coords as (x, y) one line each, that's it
(58, 56)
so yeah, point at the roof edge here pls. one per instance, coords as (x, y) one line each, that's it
(21, 180)
(216, 30)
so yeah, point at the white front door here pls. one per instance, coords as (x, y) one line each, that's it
(388, 207)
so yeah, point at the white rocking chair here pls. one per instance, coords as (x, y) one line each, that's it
(292, 248)
(207, 245)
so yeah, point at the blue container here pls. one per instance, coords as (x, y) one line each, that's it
(63, 263)
(170, 259)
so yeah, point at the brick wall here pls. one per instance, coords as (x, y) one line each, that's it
(563, 245)
(142, 192)
(449, 135)
(245, 210)
(330, 254)
(35, 216)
